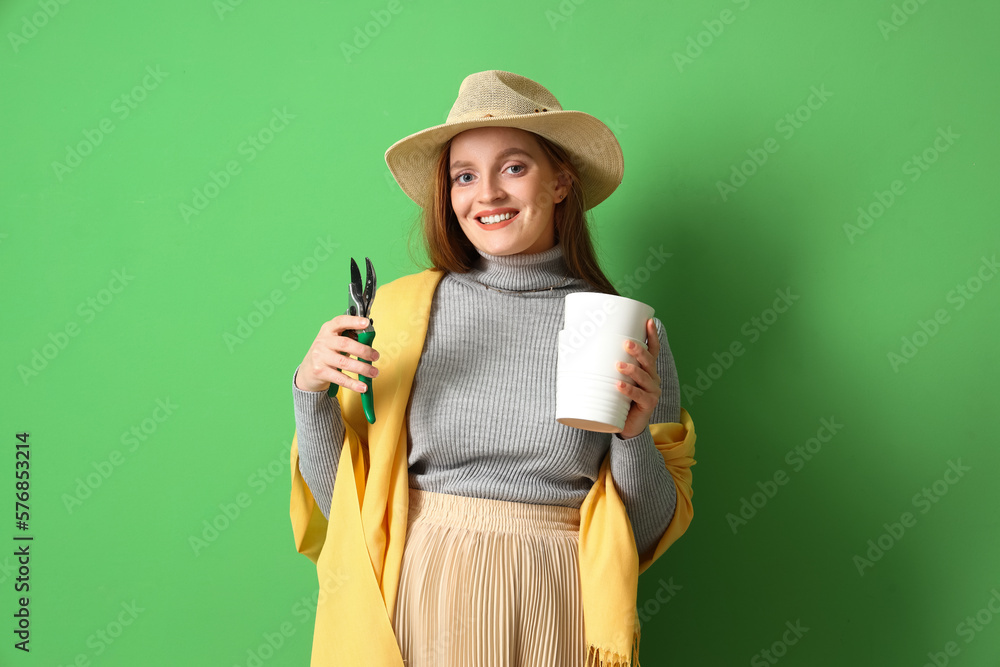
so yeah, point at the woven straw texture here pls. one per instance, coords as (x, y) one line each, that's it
(505, 99)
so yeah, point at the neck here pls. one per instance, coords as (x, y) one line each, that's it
(520, 271)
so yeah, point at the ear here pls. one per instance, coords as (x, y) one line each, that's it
(562, 188)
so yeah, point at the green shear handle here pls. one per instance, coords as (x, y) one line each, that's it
(360, 303)
(368, 398)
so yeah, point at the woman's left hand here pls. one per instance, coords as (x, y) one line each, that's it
(646, 392)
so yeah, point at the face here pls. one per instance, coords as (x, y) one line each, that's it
(503, 172)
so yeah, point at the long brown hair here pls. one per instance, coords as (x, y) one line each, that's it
(449, 249)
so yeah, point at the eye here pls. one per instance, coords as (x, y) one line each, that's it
(519, 166)
(457, 178)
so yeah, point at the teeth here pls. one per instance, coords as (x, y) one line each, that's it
(492, 219)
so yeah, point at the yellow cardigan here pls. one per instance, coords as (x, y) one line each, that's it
(358, 551)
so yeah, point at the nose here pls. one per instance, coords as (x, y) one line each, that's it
(490, 188)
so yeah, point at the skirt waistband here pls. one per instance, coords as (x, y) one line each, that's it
(493, 515)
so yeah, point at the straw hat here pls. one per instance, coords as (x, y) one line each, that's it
(504, 99)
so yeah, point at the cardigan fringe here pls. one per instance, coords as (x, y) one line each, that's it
(606, 657)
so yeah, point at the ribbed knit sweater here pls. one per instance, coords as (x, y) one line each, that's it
(481, 420)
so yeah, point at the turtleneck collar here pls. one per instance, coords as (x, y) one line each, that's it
(520, 272)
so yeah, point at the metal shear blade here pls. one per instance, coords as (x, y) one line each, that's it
(361, 297)
(370, 285)
(356, 302)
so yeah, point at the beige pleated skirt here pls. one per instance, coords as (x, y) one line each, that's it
(489, 583)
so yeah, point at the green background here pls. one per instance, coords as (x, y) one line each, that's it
(684, 126)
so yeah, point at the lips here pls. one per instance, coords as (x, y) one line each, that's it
(497, 225)
(495, 211)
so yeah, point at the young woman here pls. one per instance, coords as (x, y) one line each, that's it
(502, 502)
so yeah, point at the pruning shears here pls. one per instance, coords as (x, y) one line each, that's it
(359, 301)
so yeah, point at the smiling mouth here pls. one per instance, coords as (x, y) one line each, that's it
(497, 219)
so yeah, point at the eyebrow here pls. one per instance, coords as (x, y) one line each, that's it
(507, 152)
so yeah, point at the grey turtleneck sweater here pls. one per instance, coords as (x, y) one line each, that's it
(481, 421)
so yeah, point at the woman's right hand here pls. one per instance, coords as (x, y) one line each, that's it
(326, 357)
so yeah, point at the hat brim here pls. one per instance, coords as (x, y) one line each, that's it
(591, 145)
